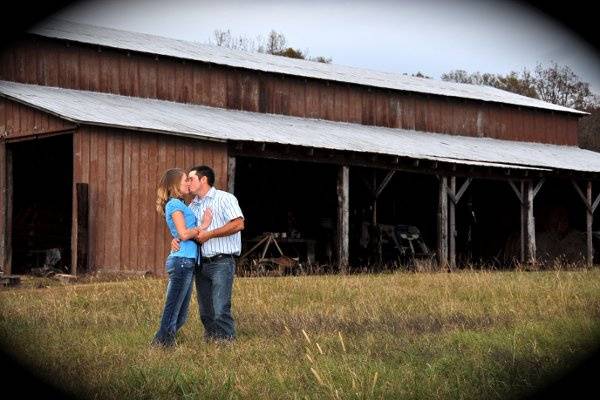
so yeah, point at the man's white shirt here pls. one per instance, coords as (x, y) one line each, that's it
(224, 207)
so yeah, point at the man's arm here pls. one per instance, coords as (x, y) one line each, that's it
(233, 226)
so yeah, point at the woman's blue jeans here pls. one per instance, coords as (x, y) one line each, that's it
(179, 291)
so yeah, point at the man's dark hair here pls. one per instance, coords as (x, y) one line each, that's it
(203, 170)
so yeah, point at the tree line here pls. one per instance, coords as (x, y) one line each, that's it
(554, 83)
(275, 43)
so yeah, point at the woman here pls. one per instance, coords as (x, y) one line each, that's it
(180, 264)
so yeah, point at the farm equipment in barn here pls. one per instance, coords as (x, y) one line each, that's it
(266, 256)
(401, 244)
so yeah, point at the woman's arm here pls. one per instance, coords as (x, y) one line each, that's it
(206, 220)
(182, 232)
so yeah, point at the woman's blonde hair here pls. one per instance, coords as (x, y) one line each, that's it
(168, 187)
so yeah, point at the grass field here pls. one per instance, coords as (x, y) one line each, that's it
(465, 335)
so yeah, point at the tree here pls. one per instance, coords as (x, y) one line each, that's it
(554, 84)
(275, 44)
(560, 85)
(223, 38)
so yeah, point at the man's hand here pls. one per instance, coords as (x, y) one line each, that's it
(203, 236)
(174, 245)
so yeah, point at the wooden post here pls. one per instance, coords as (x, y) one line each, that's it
(9, 211)
(526, 195)
(531, 248)
(452, 221)
(79, 236)
(589, 222)
(3, 205)
(590, 209)
(376, 193)
(343, 225)
(231, 164)
(523, 221)
(520, 195)
(374, 199)
(454, 197)
(443, 223)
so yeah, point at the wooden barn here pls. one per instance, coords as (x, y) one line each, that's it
(329, 156)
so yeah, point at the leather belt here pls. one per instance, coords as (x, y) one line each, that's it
(215, 258)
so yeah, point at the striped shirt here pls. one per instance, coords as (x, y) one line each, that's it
(224, 208)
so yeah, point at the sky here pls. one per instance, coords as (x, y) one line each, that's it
(410, 36)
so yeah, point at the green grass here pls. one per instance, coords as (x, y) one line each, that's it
(465, 335)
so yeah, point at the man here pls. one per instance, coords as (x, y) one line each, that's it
(221, 242)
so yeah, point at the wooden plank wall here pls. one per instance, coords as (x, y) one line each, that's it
(79, 66)
(18, 120)
(122, 169)
(3, 207)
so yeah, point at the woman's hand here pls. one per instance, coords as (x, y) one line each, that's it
(206, 219)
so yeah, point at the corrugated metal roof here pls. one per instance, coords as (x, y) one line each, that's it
(220, 124)
(152, 44)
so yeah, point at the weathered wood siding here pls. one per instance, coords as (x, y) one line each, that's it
(3, 209)
(18, 120)
(122, 169)
(78, 66)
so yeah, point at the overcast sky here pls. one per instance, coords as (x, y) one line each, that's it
(407, 36)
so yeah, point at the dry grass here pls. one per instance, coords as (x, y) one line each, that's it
(471, 335)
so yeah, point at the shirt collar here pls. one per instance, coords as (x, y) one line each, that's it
(211, 193)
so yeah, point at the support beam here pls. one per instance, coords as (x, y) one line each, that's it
(463, 188)
(385, 182)
(454, 199)
(9, 212)
(443, 223)
(80, 229)
(526, 194)
(588, 223)
(523, 221)
(343, 223)
(374, 221)
(531, 247)
(3, 205)
(231, 164)
(452, 220)
(589, 217)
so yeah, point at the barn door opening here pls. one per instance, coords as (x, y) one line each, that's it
(42, 179)
(290, 208)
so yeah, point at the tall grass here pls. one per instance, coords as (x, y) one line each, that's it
(467, 335)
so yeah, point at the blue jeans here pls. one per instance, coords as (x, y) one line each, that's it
(179, 292)
(214, 284)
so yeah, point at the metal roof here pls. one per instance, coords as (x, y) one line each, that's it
(93, 108)
(141, 42)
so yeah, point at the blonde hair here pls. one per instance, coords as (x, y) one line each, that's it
(168, 187)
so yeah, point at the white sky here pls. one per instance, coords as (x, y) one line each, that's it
(408, 36)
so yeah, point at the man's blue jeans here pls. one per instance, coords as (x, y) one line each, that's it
(179, 292)
(214, 285)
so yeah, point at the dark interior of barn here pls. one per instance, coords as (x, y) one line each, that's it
(560, 216)
(41, 204)
(407, 203)
(488, 221)
(296, 201)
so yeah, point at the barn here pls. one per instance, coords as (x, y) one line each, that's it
(338, 161)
